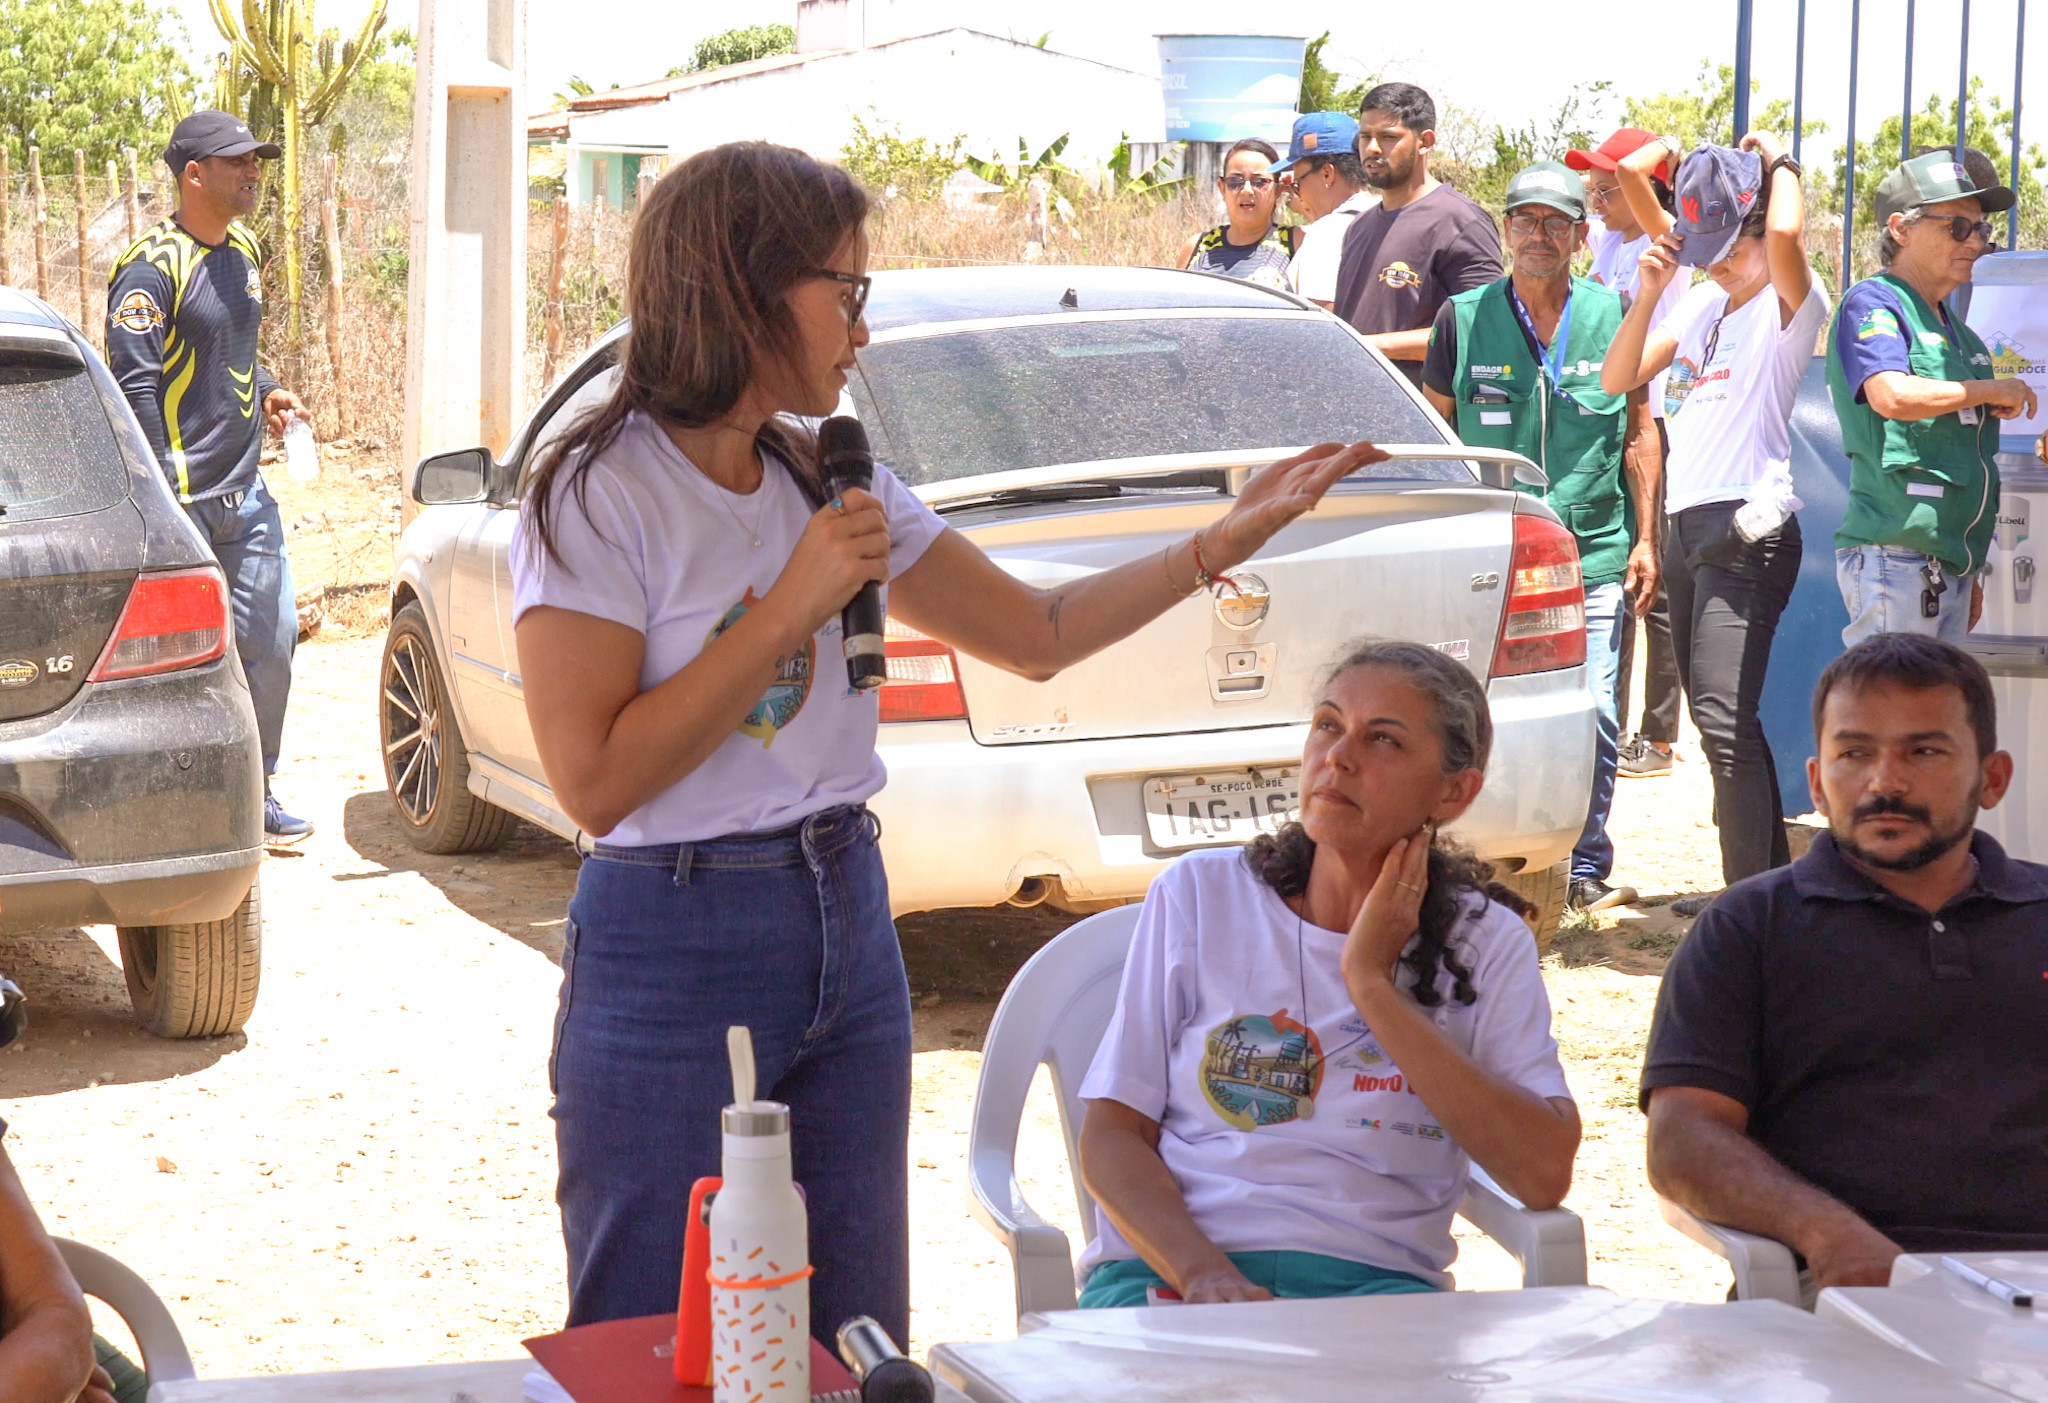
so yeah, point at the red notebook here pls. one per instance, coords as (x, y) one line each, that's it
(633, 1361)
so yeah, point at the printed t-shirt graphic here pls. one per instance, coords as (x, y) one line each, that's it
(1262, 1069)
(789, 691)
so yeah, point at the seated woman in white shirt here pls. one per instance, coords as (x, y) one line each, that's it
(1318, 1033)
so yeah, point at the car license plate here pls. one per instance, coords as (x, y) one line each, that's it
(1220, 806)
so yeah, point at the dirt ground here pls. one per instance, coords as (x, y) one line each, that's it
(364, 1176)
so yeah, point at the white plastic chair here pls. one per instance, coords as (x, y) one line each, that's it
(164, 1356)
(1054, 1014)
(1765, 1269)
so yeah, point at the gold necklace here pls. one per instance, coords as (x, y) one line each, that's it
(760, 508)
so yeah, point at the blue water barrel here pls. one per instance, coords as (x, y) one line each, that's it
(1224, 87)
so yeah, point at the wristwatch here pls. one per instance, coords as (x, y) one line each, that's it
(1789, 164)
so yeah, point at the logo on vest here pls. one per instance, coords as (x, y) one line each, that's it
(1490, 372)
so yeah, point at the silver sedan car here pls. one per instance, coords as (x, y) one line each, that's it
(1068, 419)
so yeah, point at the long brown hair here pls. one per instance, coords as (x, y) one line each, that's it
(1465, 726)
(718, 245)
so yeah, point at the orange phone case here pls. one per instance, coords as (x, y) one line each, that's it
(693, 1303)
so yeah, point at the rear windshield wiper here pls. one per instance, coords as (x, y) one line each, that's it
(1091, 489)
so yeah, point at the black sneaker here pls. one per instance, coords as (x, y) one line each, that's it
(281, 827)
(1592, 894)
(1690, 906)
(1642, 760)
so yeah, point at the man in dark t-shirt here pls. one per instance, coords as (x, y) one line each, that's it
(1847, 1054)
(1423, 244)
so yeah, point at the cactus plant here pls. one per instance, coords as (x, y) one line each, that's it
(284, 78)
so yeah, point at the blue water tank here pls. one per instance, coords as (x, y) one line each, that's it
(1224, 87)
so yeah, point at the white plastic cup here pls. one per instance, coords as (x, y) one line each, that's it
(301, 457)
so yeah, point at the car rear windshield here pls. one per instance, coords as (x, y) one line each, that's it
(956, 405)
(58, 456)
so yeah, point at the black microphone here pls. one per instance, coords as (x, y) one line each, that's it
(885, 1375)
(844, 456)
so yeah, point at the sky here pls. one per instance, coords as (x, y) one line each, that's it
(1486, 60)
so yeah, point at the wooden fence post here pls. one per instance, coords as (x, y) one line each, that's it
(134, 199)
(330, 231)
(84, 221)
(6, 220)
(40, 214)
(557, 257)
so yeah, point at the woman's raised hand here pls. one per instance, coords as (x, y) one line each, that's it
(1277, 494)
(844, 545)
(1658, 266)
(1392, 910)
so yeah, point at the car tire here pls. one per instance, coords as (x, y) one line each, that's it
(426, 760)
(1545, 888)
(196, 980)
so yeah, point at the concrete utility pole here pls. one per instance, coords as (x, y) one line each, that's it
(465, 358)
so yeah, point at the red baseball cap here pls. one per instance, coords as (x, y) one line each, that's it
(1610, 152)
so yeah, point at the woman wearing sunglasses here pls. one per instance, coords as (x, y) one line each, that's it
(1920, 407)
(1735, 347)
(1251, 245)
(678, 576)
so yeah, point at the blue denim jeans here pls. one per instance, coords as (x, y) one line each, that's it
(788, 933)
(1881, 588)
(1606, 605)
(247, 537)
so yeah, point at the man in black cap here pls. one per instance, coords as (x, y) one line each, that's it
(1919, 405)
(183, 314)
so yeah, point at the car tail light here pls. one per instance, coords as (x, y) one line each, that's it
(923, 682)
(1544, 624)
(175, 619)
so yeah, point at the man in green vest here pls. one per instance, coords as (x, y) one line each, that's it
(1914, 389)
(1516, 364)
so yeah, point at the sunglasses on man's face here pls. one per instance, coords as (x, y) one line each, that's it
(1523, 226)
(1259, 183)
(856, 297)
(1961, 227)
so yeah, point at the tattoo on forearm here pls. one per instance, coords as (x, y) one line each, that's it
(1052, 613)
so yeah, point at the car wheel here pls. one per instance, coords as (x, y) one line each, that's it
(1545, 888)
(196, 980)
(426, 760)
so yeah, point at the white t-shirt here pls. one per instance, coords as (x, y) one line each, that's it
(1313, 270)
(667, 552)
(1616, 264)
(1730, 421)
(1210, 1039)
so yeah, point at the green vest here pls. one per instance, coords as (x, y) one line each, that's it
(1504, 400)
(1928, 485)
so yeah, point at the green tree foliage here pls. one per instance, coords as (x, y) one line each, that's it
(1484, 173)
(738, 46)
(1324, 89)
(89, 75)
(888, 163)
(1708, 114)
(1935, 125)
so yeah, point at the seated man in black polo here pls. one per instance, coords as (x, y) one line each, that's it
(1850, 1054)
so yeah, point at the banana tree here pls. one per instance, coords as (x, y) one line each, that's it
(284, 78)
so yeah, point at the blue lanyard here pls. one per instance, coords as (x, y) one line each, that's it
(1553, 359)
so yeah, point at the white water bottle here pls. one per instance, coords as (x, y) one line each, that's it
(301, 458)
(760, 1255)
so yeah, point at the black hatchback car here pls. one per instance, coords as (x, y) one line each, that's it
(131, 779)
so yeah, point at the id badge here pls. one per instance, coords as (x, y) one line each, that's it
(1968, 414)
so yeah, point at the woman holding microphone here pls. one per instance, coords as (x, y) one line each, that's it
(678, 577)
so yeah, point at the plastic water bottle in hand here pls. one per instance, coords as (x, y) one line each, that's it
(301, 458)
(760, 1252)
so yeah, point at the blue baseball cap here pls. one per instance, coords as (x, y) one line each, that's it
(1717, 188)
(1319, 134)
